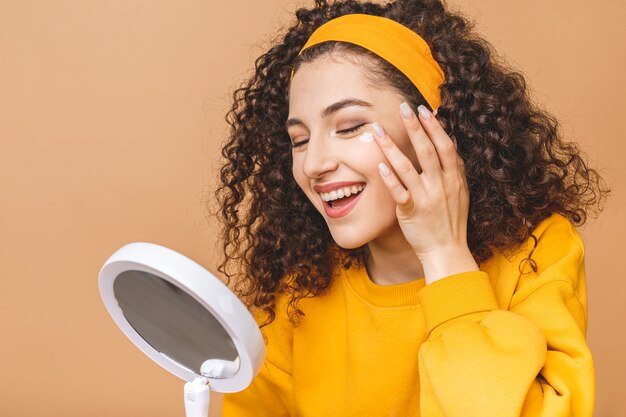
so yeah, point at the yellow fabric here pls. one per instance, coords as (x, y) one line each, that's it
(490, 343)
(393, 42)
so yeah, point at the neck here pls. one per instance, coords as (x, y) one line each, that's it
(392, 260)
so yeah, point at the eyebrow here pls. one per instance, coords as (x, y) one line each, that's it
(335, 107)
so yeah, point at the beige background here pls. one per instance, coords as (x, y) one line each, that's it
(111, 115)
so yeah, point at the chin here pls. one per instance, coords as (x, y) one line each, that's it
(348, 246)
(348, 240)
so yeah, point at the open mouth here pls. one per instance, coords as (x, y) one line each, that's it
(340, 202)
(342, 206)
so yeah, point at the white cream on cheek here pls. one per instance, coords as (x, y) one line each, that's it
(366, 137)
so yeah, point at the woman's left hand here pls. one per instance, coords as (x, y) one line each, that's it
(433, 208)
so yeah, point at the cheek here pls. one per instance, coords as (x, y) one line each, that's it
(403, 142)
(364, 159)
(298, 174)
(363, 153)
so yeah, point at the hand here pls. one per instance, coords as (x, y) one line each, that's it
(432, 210)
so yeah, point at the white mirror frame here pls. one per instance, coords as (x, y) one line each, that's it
(205, 288)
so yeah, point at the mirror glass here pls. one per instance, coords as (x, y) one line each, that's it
(176, 324)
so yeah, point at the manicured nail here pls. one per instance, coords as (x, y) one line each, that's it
(383, 169)
(378, 129)
(406, 110)
(423, 111)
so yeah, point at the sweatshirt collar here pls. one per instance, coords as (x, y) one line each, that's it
(396, 295)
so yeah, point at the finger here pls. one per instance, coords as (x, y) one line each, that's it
(401, 195)
(446, 150)
(460, 164)
(399, 162)
(424, 147)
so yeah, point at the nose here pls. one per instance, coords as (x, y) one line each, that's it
(320, 157)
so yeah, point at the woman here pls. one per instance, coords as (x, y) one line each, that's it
(402, 219)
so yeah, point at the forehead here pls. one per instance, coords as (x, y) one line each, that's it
(326, 80)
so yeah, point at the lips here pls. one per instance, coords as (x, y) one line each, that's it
(343, 200)
(326, 188)
(336, 212)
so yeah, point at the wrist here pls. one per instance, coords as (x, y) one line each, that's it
(447, 261)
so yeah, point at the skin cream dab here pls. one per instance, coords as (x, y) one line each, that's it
(366, 137)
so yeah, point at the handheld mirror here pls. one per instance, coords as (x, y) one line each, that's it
(184, 318)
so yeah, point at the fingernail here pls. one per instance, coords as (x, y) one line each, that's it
(378, 129)
(406, 110)
(423, 111)
(383, 169)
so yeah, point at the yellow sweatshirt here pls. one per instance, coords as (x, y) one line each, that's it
(488, 343)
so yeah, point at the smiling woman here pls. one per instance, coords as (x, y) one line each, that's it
(408, 215)
(328, 154)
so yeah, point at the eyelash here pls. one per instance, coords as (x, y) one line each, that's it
(350, 130)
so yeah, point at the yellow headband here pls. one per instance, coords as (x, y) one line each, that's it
(393, 42)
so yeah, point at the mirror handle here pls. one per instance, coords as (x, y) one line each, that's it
(197, 396)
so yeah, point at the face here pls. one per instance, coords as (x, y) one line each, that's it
(336, 146)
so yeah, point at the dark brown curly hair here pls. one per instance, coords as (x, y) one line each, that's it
(519, 169)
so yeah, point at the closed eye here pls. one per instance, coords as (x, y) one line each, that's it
(350, 130)
(302, 142)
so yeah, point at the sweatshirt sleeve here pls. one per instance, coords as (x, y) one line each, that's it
(528, 359)
(266, 396)
(271, 392)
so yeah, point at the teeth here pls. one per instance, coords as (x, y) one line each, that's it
(341, 192)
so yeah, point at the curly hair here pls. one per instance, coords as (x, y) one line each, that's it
(518, 167)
